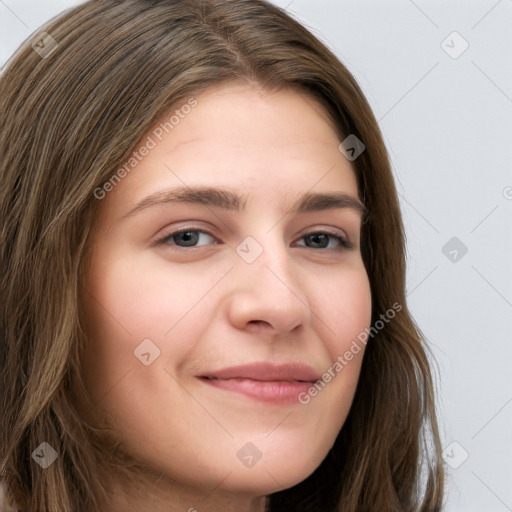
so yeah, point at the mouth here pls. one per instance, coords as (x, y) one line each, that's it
(263, 381)
(258, 380)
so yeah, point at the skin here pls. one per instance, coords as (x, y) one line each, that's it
(206, 308)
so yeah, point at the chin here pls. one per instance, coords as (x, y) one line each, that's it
(276, 472)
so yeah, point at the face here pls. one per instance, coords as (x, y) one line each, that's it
(211, 315)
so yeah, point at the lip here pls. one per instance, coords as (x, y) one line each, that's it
(264, 381)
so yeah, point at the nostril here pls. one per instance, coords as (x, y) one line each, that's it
(258, 322)
(259, 325)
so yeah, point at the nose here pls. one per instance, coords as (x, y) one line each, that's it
(268, 295)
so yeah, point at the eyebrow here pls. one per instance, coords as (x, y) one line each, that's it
(229, 200)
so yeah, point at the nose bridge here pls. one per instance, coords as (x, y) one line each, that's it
(266, 288)
(268, 259)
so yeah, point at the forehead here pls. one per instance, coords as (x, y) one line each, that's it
(240, 136)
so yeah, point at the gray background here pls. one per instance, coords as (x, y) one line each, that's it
(446, 116)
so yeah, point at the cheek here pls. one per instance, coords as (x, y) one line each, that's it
(130, 301)
(345, 311)
(345, 306)
(146, 295)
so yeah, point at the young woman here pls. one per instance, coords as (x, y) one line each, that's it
(203, 275)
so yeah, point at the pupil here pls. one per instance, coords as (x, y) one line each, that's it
(316, 237)
(189, 237)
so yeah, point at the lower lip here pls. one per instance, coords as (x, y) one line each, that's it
(280, 392)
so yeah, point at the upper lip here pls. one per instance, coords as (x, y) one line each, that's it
(266, 371)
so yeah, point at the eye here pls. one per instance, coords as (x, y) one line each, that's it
(190, 238)
(183, 238)
(322, 240)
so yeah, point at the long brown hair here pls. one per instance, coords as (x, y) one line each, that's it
(74, 104)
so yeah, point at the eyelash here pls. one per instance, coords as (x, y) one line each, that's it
(344, 243)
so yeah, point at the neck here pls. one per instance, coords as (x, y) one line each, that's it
(165, 496)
